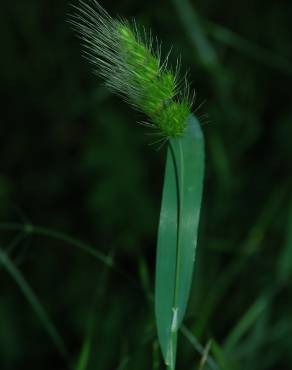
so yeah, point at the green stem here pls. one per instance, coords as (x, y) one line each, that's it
(173, 345)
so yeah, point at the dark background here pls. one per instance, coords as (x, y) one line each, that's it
(73, 160)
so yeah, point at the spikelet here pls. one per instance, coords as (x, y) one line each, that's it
(131, 67)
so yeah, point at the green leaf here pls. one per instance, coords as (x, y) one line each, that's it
(177, 235)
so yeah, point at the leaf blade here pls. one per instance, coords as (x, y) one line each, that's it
(166, 257)
(177, 235)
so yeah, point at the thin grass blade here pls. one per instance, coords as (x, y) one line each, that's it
(84, 355)
(10, 267)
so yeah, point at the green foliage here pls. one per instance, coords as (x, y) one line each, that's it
(61, 135)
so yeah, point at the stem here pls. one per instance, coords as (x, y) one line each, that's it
(174, 345)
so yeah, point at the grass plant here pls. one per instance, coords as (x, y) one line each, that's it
(80, 189)
(132, 67)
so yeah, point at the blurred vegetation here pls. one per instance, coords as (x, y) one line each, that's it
(74, 162)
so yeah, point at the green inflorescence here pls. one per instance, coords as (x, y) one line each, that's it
(132, 69)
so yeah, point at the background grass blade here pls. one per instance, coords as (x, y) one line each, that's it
(198, 347)
(177, 234)
(83, 359)
(246, 322)
(34, 302)
(285, 257)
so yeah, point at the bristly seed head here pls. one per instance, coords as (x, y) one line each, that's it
(133, 69)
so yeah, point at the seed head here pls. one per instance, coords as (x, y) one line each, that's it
(131, 67)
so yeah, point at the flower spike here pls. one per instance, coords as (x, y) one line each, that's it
(131, 67)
